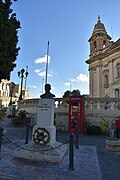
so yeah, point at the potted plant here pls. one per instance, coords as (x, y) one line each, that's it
(113, 144)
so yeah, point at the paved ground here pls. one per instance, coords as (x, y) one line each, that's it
(91, 160)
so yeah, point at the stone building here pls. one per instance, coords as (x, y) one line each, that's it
(6, 90)
(16, 92)
(104, 64)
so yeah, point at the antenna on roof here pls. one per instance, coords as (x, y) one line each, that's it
(112, 32)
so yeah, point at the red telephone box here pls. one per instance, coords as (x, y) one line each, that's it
(76, 114)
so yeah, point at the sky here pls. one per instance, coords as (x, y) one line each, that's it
(67, 25)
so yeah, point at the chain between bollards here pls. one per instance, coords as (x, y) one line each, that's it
(71, 153)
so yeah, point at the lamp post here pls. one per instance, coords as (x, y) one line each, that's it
(22, 75)
(12, 86)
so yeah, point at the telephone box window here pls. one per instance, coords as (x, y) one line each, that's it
(76, 114)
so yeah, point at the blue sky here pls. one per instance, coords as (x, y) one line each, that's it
(67, 25)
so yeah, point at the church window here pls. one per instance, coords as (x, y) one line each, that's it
(118, 70)
(116, 93)
(104, 44)
(95, 46)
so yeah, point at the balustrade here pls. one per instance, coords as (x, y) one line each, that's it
(95, 108)
(90, 103)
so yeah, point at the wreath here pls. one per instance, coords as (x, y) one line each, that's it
(41, 136)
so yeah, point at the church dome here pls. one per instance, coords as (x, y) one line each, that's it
(99, 27)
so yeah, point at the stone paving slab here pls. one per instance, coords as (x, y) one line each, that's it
(85, 162)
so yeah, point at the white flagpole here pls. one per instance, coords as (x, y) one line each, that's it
(47, 63)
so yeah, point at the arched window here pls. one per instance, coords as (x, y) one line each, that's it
(95, 46)
(118, 71)
(117, 93)
(104, 44)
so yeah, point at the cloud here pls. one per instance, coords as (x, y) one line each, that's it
(32, 86)
(42, 59)
(42, 73)
(52, 87)
(81, 77)
(67, 84)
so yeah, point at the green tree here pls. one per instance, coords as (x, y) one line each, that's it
(9, 26)
(75, 92)
(66, 94)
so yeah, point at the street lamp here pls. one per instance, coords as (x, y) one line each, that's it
(12, 86)
(22, 75)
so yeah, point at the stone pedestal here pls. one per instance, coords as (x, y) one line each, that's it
(43, 146)
(45, 118)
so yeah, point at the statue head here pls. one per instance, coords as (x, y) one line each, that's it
(47, 88)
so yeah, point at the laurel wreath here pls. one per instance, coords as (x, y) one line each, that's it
(41, 136)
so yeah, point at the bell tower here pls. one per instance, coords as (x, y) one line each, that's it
(99, 39)
(99, 43)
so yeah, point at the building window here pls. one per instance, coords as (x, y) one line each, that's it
(118, 69)
(118, 72)
(117, 95)
(104, 44)
(94, 45)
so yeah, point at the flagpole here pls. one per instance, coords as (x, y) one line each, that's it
(47, 63)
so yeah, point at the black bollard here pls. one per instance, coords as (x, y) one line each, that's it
(27, 130)
(71, 153)
(76, 138)
(1, 135)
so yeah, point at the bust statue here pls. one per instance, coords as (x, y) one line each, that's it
(47, 93)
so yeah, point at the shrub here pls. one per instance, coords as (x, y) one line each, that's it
(20, 119)
(104, 124)
(86, 125)
(2, 114)
(93, 130)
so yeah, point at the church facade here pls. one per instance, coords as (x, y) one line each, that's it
(104, 64)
